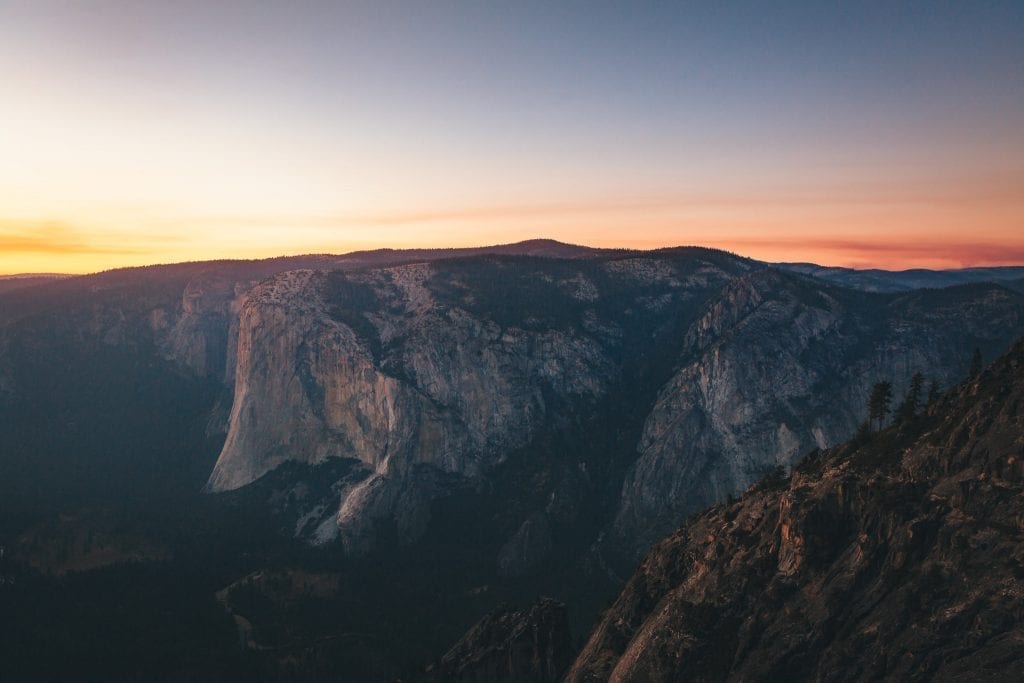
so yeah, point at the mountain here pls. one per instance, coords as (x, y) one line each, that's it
(877, 280)
(159, 344)
(426, 372)
(432, 375)
(1016, 285)
(325, 464)
(898, 556)
(775, 369)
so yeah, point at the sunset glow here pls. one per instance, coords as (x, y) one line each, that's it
(142, 132)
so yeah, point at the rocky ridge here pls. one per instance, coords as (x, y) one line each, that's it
(774, 369)
(508, 645)
(899, 556)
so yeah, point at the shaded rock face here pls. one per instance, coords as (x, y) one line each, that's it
(198, 338)
(527, 548)
(900, 557)
(509, 646)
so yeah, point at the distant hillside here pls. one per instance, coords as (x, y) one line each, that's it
(9, 283)
(876, 280)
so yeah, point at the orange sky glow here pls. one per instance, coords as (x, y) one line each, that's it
(135, 133)
(945, 227)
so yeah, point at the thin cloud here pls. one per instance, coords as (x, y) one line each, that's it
(998, 190)
(60, 239)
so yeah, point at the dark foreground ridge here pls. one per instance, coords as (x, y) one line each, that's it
(901, 557)
(510, 645)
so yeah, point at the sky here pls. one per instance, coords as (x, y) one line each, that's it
(865, 134)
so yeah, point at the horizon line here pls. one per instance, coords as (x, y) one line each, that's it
(536, 240)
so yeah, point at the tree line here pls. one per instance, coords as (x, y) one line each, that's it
(880, 399)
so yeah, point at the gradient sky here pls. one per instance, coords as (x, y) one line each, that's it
(851, 133)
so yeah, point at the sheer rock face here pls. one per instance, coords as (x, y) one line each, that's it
(899, 558)
(509, 646)
(400, 384)
(630, 389)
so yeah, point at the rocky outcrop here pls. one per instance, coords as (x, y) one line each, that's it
(534, 422)
(508, 646)
(900, 557)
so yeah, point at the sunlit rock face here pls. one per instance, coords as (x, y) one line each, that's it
(395, 382)
(449, 367)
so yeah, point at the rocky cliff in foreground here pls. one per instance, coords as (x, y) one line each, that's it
(898, 557)
(508, 646)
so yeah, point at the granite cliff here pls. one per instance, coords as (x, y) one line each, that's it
(426, 371)
(640, 387)
(430, 375)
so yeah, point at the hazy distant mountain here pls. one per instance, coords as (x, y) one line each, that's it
(10, 283)
(876, 280)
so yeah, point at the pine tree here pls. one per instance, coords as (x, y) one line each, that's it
(878, 404)
(934, 392)
(908, 409)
